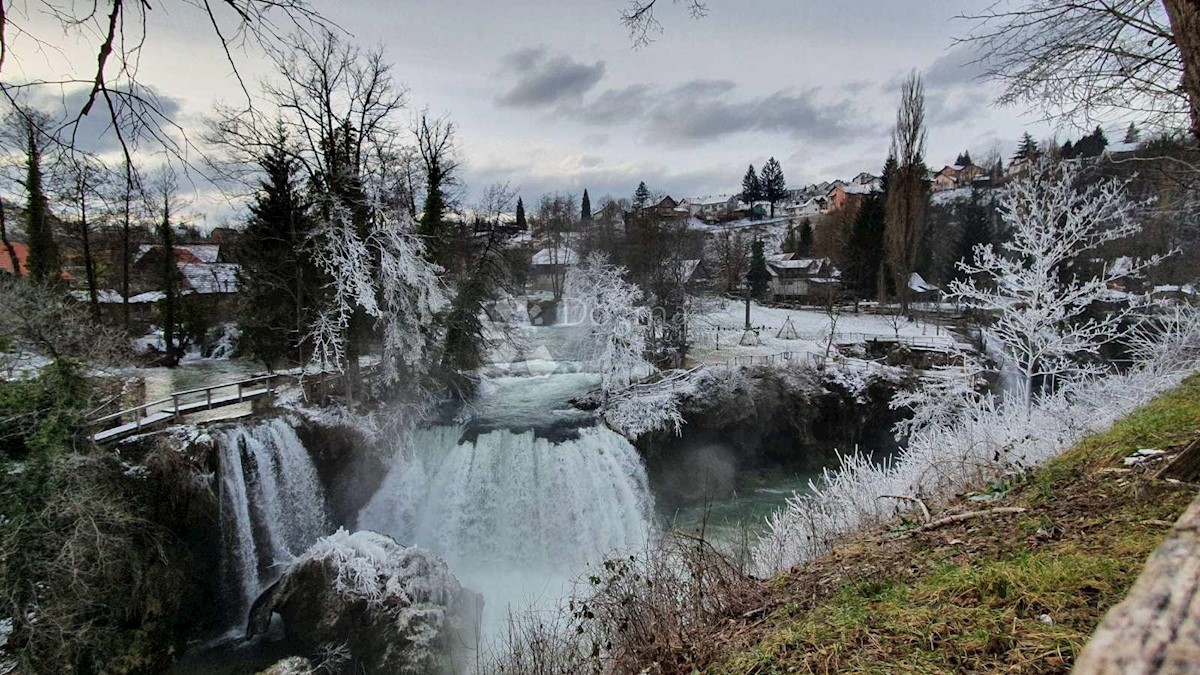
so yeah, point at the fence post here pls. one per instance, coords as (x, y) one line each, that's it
(208, 397)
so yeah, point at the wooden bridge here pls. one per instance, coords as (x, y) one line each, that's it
(122, 424)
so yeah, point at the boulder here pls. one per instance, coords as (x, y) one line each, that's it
(395, 609)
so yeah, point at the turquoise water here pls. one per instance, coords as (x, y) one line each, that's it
(732, 524)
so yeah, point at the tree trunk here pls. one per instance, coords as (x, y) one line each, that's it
(89, 262)
(170, 275)
(1156, 628)
(1185, 25)
(126, 235)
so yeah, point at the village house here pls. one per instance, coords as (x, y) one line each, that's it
(795, 279)
(21, 249)
(843, 195)
(956, 176)
(713, 207)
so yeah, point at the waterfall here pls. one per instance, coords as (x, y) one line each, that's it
(515, 516)
(272, 507)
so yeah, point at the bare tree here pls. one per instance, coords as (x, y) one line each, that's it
(908, 196)
(79, 188)
(436, 144)
(118, 31)
(1092, 57)
(639, 18)
(162, 201)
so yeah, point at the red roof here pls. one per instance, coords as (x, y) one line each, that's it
(22, 251)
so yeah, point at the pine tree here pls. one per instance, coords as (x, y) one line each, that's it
(43, 263)
(889, 170)
(1068, 150)
(522, 224)
(804, 242)
(641, 198)
(751, 187)
(1132, 135)
(772, 183)
(585, 208)
(276, 281)
(1028, 149)
(964, 159)
(976, 223)
(789, 241)
(758, 277)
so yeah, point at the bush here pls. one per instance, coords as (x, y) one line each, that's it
(94, 573)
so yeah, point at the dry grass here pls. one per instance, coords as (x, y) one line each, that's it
(1011, 592)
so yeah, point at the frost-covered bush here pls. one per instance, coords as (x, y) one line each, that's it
(394, 608)
(953, 448)
(373, 566)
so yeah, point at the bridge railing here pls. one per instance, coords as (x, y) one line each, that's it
(190, 400)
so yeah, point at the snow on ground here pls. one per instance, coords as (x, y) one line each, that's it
(717, 333)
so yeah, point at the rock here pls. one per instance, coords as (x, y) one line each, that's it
(294, 665)
(396, 609)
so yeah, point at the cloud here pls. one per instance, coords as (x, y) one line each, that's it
(576, 172)
(543, 80)
(958, 67)
(95, 132)
(704, 111)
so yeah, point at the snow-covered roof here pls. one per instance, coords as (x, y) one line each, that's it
(709, 200)
(1186, 289)
(858, 189)
(148, 296)
(549, 256)
(104, 296)
(210, 278)
(918, 284)
(1118, 148)
(1122, 265)
(687, 268)
(186, 253)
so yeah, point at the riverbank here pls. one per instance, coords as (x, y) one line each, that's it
(1015, 578)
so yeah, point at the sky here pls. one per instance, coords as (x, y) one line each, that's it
(552, 96)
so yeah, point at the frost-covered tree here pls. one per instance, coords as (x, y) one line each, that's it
(618, 338)
(1044, 314)
(381, 274)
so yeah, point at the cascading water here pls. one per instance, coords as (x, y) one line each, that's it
(515, 515)
(272, 507)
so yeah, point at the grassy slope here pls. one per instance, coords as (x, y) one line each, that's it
(1014, 592)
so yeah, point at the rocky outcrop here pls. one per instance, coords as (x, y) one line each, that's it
(395, 609)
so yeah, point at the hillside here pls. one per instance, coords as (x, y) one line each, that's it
(1014, 579)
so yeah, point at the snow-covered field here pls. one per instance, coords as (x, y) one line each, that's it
(716, 334)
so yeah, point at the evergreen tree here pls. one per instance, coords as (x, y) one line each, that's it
(585, 208)
(772, 183)
(751, 187)
(641, 198)
(804, 242)
(1068, 150)
(276, 281)
(889, 170)
(964, 159)
(43, 263)
(790, 243)
(1132, 135)
(1028, 149)
(758, 277)
(976, 223)
(522, 224)
(864, 247)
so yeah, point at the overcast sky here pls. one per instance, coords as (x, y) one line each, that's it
(551, 95)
